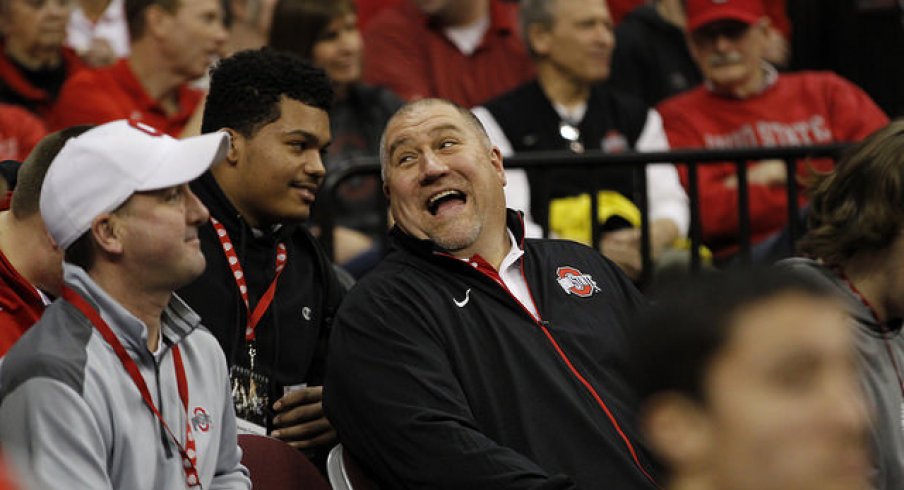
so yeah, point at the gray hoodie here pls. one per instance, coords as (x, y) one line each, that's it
(879, 378)
(71, 417)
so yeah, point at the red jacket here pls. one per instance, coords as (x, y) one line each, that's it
(113, 92)
(409, 54)
(799, 109)
(20, 131)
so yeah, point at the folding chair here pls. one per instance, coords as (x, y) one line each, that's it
(275, 465)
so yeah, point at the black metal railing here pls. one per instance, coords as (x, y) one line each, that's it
(549, 162)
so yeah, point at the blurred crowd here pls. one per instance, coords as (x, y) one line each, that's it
(263, 99)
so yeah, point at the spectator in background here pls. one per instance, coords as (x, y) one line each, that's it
(748, 380)
(173, 43)
(118, 386)
(325, 32)
(775, 9)
(249, 24)
(567, 108)
(467, 51)
(269, 292)
(34, 63)
(856, 248)
(472, 357)
(745, 102)
(651, 58)
(20, 131)
(30, 263)
(860, 40)
(98, 31)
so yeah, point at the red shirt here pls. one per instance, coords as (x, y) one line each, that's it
(799, 109)
(20, 131)
(39, 99)
(101, 95)
(409, 54)
(367, 9)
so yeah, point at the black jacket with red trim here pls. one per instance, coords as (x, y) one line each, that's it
(439, 378)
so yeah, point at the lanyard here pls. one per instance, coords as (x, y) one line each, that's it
(866, 303)
(189, 456)
(253, 317)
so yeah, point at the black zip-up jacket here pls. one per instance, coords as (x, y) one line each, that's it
(292, 335)
(439, 378)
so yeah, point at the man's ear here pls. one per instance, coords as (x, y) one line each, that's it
(496, 161)
(157, 21)
(539, 38)
(236, 146)
(107, 233)
(678, 429)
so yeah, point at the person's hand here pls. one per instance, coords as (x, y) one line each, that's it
(623, 248)
(765, 172)
(300, 420)
(193, 125)
(99, 53)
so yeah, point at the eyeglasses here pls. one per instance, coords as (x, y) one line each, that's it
(570, 133)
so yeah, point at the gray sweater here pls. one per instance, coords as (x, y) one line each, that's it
(71, 417)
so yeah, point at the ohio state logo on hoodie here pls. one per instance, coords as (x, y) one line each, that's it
(575, 282)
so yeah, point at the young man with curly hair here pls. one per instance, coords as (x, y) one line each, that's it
(269, 291)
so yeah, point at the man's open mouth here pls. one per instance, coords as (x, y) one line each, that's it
(439, 199)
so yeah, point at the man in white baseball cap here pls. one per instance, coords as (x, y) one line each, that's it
(117, 386)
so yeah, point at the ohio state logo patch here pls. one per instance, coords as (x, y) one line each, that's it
(575, 282)
(201, 420)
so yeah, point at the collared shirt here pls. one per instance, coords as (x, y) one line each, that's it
(110, 26)
(176, 321)
(510, 273)
(114, 92)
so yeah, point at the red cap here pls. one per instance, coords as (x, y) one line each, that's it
(702, 12)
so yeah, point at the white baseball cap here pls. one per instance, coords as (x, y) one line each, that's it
(100, 169)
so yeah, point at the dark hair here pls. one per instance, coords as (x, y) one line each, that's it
(26, 199)
(246, 88)
(690, 320)
(136, 10)
(299, 24)
(532, 12)
(859, 207)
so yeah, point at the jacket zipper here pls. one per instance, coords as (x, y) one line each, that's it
(163, 434)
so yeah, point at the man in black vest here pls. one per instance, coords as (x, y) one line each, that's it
(566, 108)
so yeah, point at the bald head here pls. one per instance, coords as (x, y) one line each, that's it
(425, 104)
